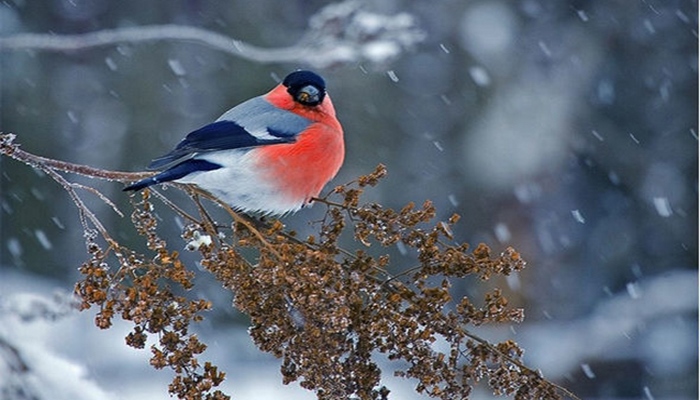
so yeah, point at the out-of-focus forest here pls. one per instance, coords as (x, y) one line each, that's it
(566, 129)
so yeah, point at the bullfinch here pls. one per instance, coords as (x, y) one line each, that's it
(270, 154)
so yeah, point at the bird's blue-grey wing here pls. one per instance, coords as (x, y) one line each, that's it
(253, 123)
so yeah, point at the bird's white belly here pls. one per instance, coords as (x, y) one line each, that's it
(240, 183)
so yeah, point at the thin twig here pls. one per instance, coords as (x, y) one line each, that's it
(99, 194)
(207, 222)
(13, 150)
(173, 206)
(82, 208)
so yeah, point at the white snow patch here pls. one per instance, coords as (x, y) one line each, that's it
(392, 75)
(43, 239)
(15, 247)
(198, 240)
(111, 64)
(578, 216)
(588, 371)
(380, 51)
(480, 76)
(176, 67)
(582, 15)
(502, 232)
(663, 207)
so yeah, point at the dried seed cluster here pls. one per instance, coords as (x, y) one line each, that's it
(142, 290)
(327, 312)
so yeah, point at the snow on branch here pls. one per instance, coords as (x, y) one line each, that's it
(337, 34)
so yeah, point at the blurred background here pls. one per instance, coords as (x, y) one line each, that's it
(568, 130)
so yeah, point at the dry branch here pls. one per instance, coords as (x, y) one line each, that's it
(327, 312)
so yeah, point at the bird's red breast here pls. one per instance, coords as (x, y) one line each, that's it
(302, 168)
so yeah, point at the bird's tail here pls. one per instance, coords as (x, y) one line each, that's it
(174, 173)
(143, 183)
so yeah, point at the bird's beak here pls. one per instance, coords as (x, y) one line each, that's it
(309, 95)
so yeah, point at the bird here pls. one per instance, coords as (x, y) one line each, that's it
(271, 154)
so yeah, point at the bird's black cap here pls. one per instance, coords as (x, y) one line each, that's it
(299, 79)
(305, 87)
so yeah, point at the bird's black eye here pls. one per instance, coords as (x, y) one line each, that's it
(308, 95)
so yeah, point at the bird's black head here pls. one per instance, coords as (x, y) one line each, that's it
(306, 87)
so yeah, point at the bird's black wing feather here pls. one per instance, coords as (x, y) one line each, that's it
(220, 135)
